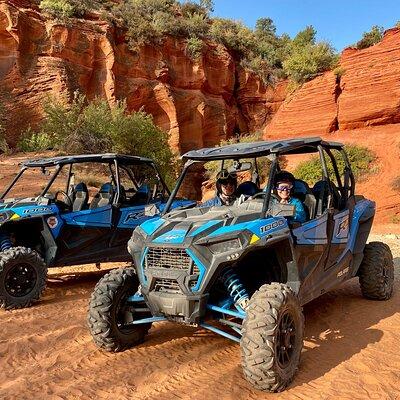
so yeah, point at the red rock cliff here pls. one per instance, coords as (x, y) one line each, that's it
(198, 102)
(367, 93)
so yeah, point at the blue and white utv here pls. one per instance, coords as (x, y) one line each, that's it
(244, 271)
(84, 212)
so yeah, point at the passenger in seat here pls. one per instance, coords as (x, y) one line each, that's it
(284, 182)
(226, 187)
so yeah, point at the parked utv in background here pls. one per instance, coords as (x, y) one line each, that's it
(84, 213)
(244, 271)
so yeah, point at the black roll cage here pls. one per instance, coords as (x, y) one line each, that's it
(346, 188)
(110, 162)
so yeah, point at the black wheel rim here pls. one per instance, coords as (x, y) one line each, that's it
(286, 340)
(20, 280)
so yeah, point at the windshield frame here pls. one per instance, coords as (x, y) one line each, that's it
(56, 169)
(268, 188)
(18, 176)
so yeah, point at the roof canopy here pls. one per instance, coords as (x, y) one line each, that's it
(102, 158)
(260, 149)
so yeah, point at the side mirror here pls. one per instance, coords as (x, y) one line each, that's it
(45, 171)
(283, 210)
(151, 210)
(240, 166)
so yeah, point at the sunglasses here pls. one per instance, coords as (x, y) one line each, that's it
(284, 188)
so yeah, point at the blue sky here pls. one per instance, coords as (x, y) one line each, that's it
(339, 22)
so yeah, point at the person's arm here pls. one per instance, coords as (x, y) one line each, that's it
(300, 215)
(215, 201)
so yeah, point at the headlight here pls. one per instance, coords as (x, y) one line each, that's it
(224, 246)
(5, 216)
(136, 241)
(138, 233)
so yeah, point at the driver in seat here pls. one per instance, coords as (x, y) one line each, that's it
(284, 182)
(226, 187)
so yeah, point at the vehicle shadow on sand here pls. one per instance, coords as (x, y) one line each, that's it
(70, 287)
(339, 325)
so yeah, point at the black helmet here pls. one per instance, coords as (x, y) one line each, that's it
(223, 177)
(284, 176)
(247, 188)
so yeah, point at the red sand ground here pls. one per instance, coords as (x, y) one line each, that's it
(351, 352)
(351, 344)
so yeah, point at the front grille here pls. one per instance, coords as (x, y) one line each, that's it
(159, 257)
(167, 286)
(195, 270)
(171, 259)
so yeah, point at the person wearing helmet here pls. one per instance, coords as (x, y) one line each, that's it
(226, 187)
(284, 182)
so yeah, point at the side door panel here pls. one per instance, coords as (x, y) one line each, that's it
(85, 236)
(339, 259)
(98, 217)
(311, 250)
(340, 237)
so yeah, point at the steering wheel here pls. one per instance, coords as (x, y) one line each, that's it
(263, 194)
(66, 197)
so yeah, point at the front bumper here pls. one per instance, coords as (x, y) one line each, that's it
(186, 309)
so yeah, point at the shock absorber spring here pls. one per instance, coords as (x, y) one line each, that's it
(235, 288)
(5, 241)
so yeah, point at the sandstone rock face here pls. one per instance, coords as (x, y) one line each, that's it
(311, 110)
(366, 94)
(371, 84)
(198, 102)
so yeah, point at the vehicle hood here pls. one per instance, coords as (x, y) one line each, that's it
(206, 225)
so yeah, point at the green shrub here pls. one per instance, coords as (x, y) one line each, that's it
(95, 127)
(339, 71)
(148, 21)
(189, 8)
(395, 219)
(233, 35)
(305, 63)
(359, 157)
(137, 134)
(304, 58)
(374, 36)
(194, 25)
(34, 141)
(3, 143)
(306, 37)
(194, 47)
(58, 8)
(271, 48)
(66, 8)
(396, 184)
(262, 68)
